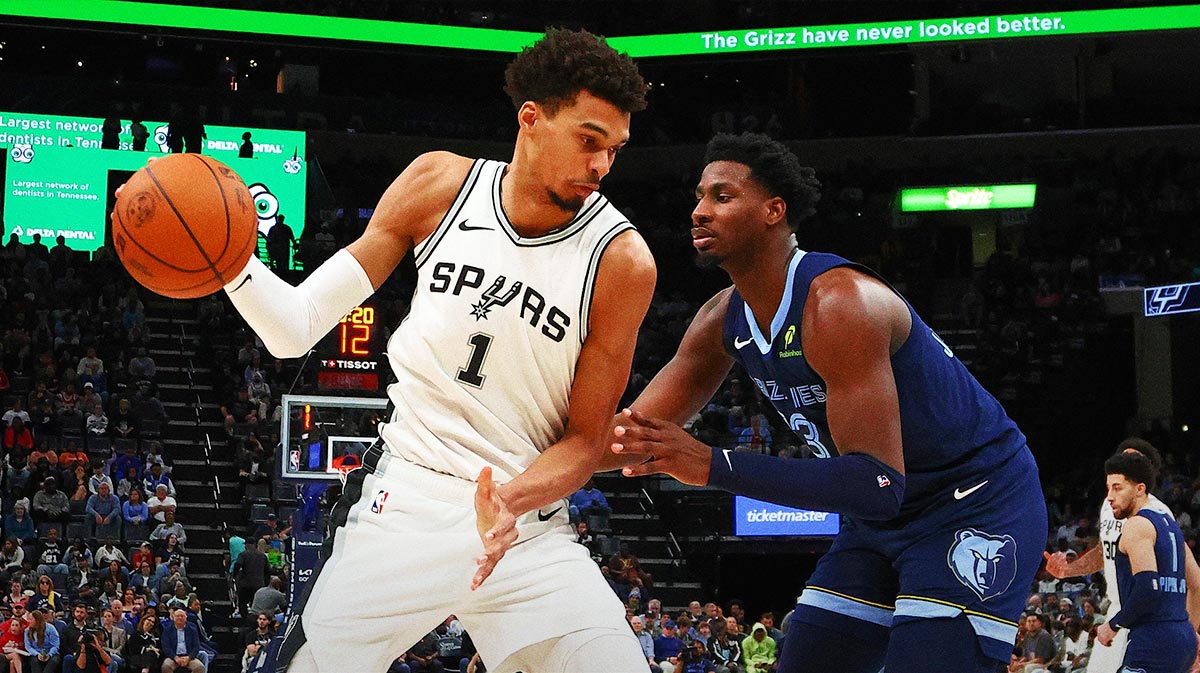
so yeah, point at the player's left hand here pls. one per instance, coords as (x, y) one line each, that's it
(665, 447)
(1105, 634)
(496, 525)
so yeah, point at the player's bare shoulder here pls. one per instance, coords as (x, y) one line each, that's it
(846, 300)
(418, 198)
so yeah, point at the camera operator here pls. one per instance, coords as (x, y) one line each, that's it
(92, 657)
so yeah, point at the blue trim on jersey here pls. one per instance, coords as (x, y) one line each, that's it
(843, 605)
(781, 313)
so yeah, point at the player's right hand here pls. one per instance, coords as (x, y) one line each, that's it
(496, 525)
(121, 186)
(1056, 564)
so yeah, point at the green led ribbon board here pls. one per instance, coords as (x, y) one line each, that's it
(955, 29)
(967, 197)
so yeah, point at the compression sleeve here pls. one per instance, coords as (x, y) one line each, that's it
(1140, 602)
(854, 484)
(290, 319)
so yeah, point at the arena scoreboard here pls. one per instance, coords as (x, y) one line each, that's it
(351, 356)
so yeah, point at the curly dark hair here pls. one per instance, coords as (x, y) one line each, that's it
(774, 166)
(1135, 467)
(564, 62)
(1145, 448)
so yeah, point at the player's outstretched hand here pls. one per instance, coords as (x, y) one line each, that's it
(1056, 564)
(664, 446)
(496, 525)
(1105, 634)
(121, 186)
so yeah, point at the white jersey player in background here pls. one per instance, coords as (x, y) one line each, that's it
(511, 363)
(1108, 658)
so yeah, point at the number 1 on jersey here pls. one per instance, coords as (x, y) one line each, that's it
(470, 375)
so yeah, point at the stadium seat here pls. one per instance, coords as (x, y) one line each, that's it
(136, 533)
(258, 493)
(259, 512)
(98, 445)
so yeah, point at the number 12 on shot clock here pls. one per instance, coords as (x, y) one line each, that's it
(355, 329)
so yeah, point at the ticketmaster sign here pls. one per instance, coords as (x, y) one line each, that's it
(755, 517)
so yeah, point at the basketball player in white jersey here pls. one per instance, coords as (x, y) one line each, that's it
(1108, 658)
(511, 363)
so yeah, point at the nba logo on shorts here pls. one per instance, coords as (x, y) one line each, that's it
(294, 460)
(987, 564)
(378, 500)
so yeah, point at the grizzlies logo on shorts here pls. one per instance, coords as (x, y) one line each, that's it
(985, 563)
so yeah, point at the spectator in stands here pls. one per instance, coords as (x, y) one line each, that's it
(161, 503)
(758, 650)
(110, 552)
(117, 574)
(12, 557)
(626, 567)
(703, 632)
(134, 511)
(1076, 647)
(171, 557)
(726, 652)
(589, 501)
(144, 554)
(77, 624)
(124, 422)
(141, 366)
(128, 462)
(99, 476)
(113, 637)
(154, 456)
(17, 435)
(82, 582)
(146, 578)
(143, 649)
(254, 466)
(156, 478)
(42, 643)
(168, 528)
(97, 422)
(1038, 646)
(667, 648)
(50, 504)
(51, 554)
(645, 640)
(696, 659)
(77, 549)
(91, 369)
(71, 456)
(422, 657)
(44, 452)
(19, 525)
(104, 509)
(179, 597)
(270, 530)
(12, 643)
(256, 641)
(270, 599)
(16, 411)
(181, 644)
(129, 482)
(15, 602)
(250, 573)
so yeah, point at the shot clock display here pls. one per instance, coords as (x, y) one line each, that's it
(350, 355)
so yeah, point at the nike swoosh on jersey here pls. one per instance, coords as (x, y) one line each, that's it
(959, 494)
(463, 226)
(249, 276)
(739, 344)
(725, 452)
(546, 517)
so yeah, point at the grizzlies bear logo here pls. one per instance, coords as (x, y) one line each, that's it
(985, 563)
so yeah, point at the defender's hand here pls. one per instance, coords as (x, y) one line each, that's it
(496, 525)
(1105, 634)
(664, 446)
(1057, 564)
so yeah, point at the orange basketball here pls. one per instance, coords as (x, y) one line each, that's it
(185, 225)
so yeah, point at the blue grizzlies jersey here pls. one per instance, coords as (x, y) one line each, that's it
(952, 429)
(1171, 599)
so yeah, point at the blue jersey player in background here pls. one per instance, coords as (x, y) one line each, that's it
(1152, 575)
(944, 516)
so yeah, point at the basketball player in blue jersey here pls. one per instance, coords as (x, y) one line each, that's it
(1152, 575)
(944, 516)
(511, 362)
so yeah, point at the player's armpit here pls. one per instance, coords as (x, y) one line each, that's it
(1192, 573)
(851, 326)
(624, 287)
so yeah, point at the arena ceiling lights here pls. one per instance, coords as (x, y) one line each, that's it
(257, 23)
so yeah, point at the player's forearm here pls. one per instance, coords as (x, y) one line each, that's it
(560, 471)
(855, 484)
(290, 319)
(1092, 561)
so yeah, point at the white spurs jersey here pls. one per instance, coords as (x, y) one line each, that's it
(1110, 533)
(486, 357)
